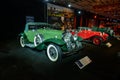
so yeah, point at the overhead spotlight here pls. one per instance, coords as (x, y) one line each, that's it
(79, 12)
(95, 16)
(107, 19)
(54, 1)
(69, 5)
(46, 0)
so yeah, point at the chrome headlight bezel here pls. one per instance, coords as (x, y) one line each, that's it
(67, 36)
(75, 37)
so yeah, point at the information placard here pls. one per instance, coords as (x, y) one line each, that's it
(83, 62)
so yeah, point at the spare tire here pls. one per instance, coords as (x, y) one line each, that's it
(38, 39)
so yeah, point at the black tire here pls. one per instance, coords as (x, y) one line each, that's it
(22, 41)
(54, 53)
(38, 39)
(97, 40)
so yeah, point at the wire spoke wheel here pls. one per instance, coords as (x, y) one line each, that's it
(97, 40)
(53, 52)
(22, 41)
(37, 40)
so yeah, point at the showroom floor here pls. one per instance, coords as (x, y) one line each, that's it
(18, 63)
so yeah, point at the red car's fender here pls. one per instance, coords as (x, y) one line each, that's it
(87, 34)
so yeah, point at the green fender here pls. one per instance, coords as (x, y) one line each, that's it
(23, 34)
(44, 44)
(25, 37)
(55, 40)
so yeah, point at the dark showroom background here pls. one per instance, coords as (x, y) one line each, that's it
(18, 63)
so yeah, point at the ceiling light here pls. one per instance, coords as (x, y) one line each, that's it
(95, 16)
(69, 5)
(46, 0)
(79, 12)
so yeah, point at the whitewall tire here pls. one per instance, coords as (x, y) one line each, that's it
(54, 52)
(22, 41)
(37, 40)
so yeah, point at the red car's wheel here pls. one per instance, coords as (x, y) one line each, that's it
(97, 40)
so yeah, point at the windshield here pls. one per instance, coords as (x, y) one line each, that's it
(34, 27)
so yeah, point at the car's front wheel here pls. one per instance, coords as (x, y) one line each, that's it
(54, 52)
(22, 41)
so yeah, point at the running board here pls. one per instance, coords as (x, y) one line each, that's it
(30, 45)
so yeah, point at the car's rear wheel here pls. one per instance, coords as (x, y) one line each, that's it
(37, 40)
(54, 52)
(22, 41)
(97, 40)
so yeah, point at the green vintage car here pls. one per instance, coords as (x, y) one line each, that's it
(43, 36)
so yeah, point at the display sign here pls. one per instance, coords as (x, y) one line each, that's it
(108, 44)
(83, 62)
(61, 17)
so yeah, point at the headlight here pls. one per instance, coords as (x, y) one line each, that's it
(75, 37)
(67, 37)
(73, 45)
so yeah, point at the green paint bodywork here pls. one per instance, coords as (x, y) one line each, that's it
(99, 29)
(55, 40)
(59, 42)
(80, 39)
(48, 33)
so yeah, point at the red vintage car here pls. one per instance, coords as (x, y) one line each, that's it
(96, 37)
